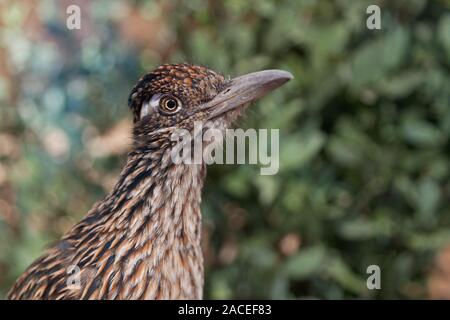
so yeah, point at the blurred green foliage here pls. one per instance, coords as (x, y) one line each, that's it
(364, 136)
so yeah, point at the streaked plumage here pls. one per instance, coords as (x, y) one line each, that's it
(143, 240)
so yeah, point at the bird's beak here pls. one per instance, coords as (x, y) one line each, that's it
(245, 89)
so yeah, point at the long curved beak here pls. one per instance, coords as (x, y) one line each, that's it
(245, 89)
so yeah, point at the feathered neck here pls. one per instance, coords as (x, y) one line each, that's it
(144, 238)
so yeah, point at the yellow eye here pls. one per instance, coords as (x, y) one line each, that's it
(169, 105)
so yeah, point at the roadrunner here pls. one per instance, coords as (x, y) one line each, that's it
(143, 240)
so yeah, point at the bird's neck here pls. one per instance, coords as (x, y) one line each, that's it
(153, 191)
(151, 224)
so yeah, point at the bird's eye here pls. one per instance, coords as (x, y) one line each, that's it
(169, 105)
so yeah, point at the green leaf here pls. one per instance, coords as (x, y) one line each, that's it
(429, 196)
(421, 133)
(443, 33)
(340, 272)
(297, 151)
(306, 263)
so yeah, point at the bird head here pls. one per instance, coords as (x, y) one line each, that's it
(175, 96)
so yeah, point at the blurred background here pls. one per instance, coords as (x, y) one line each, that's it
(364, 137)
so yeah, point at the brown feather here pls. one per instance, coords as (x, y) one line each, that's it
(143, 240)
